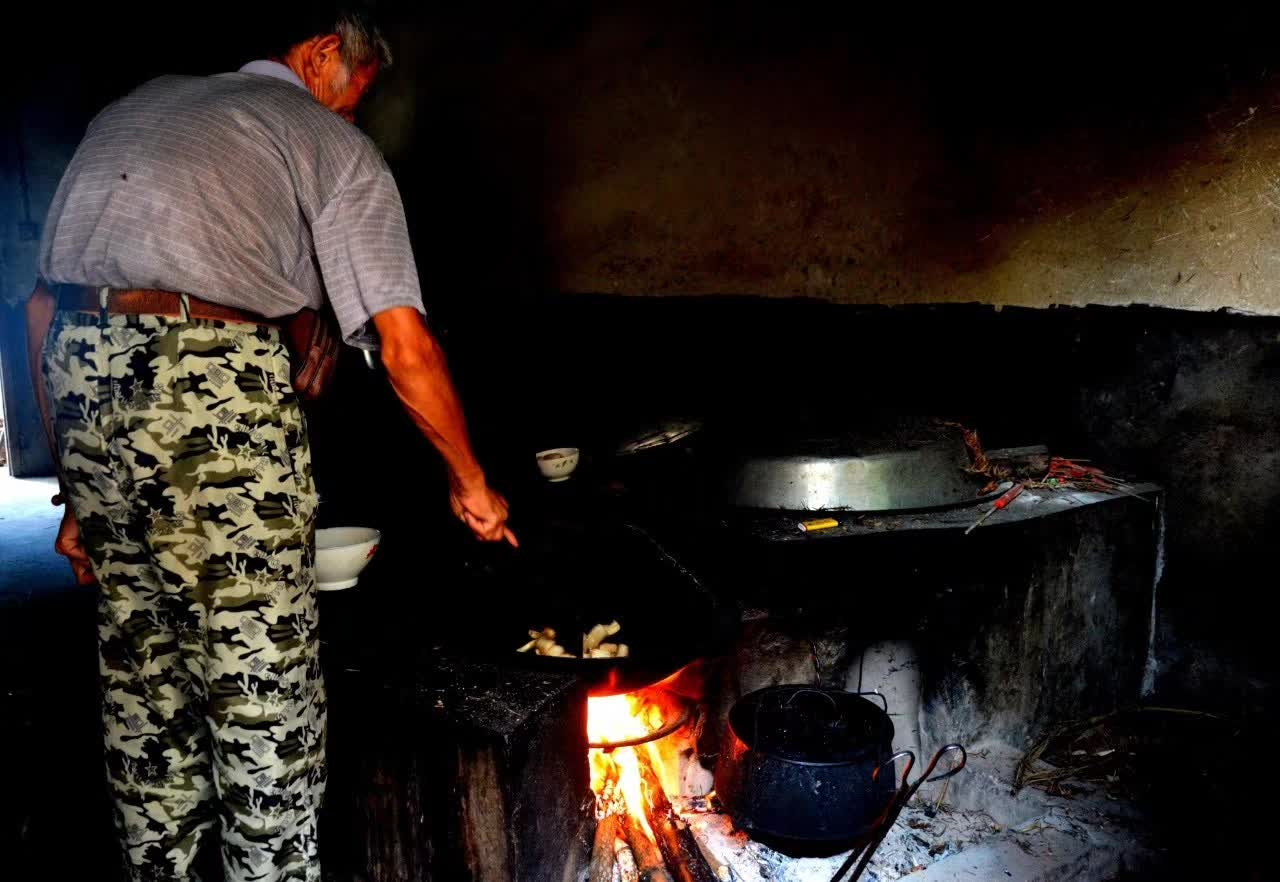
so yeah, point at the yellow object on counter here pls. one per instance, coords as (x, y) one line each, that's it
(819, 524)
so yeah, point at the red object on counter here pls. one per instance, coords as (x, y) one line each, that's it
(1005, 498)
(1010, 495)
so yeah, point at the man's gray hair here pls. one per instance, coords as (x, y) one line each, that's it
(289, 24)
(362, 40)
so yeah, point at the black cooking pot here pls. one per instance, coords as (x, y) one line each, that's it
(799, 764)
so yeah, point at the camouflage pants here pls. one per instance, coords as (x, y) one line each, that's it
(185, 456)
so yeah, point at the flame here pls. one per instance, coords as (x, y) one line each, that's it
(614, 718)
(629, 782)
(615, 775)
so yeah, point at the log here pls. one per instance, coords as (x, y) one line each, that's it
(608, 796)
(603, 857)
(675, 839)
(649, 861)
(626, 861)
(720, 869)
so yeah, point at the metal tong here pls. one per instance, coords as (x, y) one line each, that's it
(900, 799)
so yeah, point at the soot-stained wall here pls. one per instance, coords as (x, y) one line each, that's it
(656, 149)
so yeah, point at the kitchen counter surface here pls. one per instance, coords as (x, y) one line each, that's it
(1030, 505)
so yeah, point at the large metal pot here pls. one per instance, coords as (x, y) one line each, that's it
(799, 764)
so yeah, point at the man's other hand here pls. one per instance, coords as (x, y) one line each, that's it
(70, 546)
(484, 511)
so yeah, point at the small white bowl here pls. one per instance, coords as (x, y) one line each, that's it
(558, 463)
(341, 553)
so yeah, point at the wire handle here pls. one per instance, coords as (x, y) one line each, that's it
(862, 856)
(902, 754)
(964, 758)
(878, 694)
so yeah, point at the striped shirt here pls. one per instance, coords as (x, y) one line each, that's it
(240, 189)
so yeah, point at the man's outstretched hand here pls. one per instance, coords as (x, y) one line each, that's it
(71, 546)
(416, 366)
(484, 511)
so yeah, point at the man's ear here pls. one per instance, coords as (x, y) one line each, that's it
(326, 51)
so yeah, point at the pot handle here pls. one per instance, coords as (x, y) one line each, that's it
(878, 694)
(950, 748)
(902, 754)
(905, 792)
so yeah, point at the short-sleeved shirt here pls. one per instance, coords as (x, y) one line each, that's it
(240, 189)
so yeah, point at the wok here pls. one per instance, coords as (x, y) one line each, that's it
(571, 576)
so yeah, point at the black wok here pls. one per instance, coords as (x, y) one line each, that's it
(571, 576)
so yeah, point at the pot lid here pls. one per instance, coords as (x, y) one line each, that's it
(810, 725)
(910, 465)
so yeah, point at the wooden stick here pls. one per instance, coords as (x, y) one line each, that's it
(675, 840)
(603, 857)
(649, 861)
(721, 870)
(626, 861)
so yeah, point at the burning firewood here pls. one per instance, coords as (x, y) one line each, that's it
(649, 861)
(603, 855)
(675, 840)
(626, 861)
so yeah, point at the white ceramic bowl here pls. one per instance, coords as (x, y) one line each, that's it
(558, 463)
(341, 553)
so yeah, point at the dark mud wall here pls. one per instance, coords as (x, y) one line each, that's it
(857, 158)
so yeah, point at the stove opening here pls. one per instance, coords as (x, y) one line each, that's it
(643, 758)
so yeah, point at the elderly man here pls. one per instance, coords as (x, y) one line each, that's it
(197, 212)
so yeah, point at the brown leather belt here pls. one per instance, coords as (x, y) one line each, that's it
(144, 301)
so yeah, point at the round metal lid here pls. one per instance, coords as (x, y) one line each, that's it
(810, 725)
(914, 466)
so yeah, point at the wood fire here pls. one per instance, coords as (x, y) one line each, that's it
(638, 836)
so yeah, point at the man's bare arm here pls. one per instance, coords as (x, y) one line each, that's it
(41, 306)
(420, 375)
